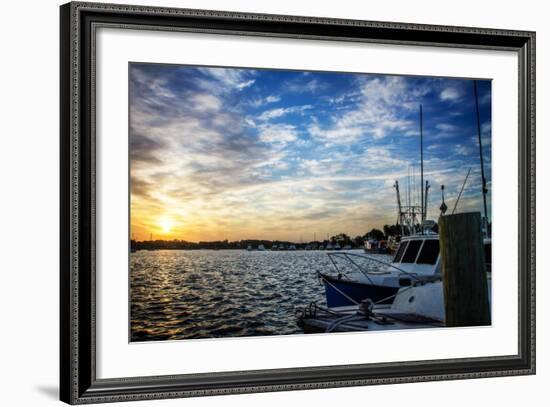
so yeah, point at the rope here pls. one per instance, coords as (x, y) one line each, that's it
(340, 321)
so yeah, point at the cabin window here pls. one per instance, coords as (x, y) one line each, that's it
(400, 252)
(412, 251)
(429, 252)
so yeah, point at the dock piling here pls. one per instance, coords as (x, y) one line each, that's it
(463, 266)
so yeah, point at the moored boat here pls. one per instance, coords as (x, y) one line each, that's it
(377, 279)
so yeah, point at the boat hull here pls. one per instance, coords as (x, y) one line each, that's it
(335, 288)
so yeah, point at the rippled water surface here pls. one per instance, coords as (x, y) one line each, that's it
(180, 294)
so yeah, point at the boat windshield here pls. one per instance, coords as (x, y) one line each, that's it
(429, 252)
(400, 251)
(412, 251)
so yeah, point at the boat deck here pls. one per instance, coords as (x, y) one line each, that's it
(317, 319)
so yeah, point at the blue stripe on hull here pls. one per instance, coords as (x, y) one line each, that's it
(357, 291)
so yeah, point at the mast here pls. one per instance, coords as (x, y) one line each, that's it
(412, 209)
(483, 180)
(423, 215)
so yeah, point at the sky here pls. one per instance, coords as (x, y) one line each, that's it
(229, 153)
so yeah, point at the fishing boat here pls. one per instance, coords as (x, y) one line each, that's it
(359, 276)
(249, 248)
(374, 246)
(261, 248)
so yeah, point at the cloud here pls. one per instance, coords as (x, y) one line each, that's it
(258, 102)
(277, 133)
(465, 150)
(275, 113)
(245, 84)
(219, 80)
(336, 134)
(450, 94)
(379, 111)
(446, 127)
(299, 86)
(205, 102)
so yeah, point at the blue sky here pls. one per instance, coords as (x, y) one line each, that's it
(247, 153)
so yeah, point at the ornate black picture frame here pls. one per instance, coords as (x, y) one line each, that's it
(78, 381)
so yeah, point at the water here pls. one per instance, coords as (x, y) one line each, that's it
(180, 294)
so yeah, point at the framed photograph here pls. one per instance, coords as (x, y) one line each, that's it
(254, 203)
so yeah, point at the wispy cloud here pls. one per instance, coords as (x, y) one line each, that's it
(450, 94)
(262, 101)
(281, 111)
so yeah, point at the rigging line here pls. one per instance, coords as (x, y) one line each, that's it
(461, 190)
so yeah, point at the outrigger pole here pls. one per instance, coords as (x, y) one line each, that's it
(400, 211)
(483, 180)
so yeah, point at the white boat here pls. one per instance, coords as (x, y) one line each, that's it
(359, 276)
(261, 247)
(418, 306)
(249, 248)
(291, 247)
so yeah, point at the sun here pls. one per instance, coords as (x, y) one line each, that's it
(166, 224)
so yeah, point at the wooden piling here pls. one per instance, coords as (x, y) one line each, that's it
(463, 267)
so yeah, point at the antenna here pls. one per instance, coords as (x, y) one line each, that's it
(443, 207)
(483, 180)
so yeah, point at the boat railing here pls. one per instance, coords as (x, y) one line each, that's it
(350, 258)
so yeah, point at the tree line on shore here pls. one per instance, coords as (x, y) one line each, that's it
(341, 238)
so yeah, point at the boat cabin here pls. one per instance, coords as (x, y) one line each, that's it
(418, 254)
